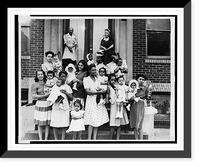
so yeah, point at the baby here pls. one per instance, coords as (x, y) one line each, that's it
(121, 92)
(133, 87)
(57, 65)
(51, 81)
(122, 66)
(70, 69)
(103, 81)
(56, 95)
(89, 58)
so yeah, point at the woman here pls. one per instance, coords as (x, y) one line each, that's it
(48, 66)
(107, 45)
(138, 107)
(115, 123)
(70, 42)
(60, 117)
(95, 115)
(42, 114)
(81, 73)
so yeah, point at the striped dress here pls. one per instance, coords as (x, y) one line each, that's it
(42, 114)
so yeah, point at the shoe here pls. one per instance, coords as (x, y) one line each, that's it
(128, 107)
(61, 106)
(102, 101)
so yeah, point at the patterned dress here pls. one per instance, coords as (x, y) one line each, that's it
(95, 115)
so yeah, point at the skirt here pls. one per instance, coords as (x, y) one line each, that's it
(76, 125)
(42, 114)
(59, 118)
(95, 115)
(137, 114)
(117, 121)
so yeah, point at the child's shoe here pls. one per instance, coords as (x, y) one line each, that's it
(102, 101)
(128, 107)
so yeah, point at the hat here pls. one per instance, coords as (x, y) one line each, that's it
(70, 65)
(99, 53)
(133, 81)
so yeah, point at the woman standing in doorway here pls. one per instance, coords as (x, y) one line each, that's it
(137, 108)
(107, 45)
(95, 115)
(42, 114)
(69, 55)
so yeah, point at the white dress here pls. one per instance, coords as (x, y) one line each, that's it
(59, 117)
(95, 115)
(77, 124)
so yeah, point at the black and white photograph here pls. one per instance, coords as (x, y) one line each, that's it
(95, 80)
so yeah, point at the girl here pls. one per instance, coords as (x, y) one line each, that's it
(115, 123)
(60, 117)
(121, 91)
(42, 114)
(133, 87)
(95, 115)
(103, 80)
(77, 122)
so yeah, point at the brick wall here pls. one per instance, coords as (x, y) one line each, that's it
(156, 72)
(29, 66)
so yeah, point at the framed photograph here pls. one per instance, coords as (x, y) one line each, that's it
(98, 82)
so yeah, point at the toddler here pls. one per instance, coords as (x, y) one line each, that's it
(70, 69)
(90, 60)
(103, 81)
(121, 92)
(57, 65)
(122, 68)
(51, 80)
(133, 87)
(57, 96)
(77, 122)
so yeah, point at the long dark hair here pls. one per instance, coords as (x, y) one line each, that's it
(36, 78)
(85, 68)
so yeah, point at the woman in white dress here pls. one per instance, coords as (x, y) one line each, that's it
(60, 118)
(95, 115)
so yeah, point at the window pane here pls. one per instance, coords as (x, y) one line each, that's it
(25, 41)
(158, 24)
(158, 43)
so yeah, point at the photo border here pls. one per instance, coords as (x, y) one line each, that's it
(186, 153)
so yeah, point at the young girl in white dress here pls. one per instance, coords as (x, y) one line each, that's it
(77, 122)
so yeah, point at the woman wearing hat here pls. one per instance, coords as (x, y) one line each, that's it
(107, 45)
(138, 107)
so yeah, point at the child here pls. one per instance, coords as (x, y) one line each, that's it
(115, 123)
(121, 91)
(122, 68)
(77, 122)
(51, 81)
(57, 96)
(133, 87)
(70, 69)
(90, 60)
(103, 81)
(57, 65)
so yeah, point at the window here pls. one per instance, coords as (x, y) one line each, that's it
(25, 37)
(158, 38)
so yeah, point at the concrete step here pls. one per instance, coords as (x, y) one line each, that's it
(102, 135)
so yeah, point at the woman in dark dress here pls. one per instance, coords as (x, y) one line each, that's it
(107, 45)
(138, 108)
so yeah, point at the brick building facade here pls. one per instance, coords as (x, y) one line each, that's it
(157, 70)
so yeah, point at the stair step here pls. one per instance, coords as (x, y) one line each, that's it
(102, 135)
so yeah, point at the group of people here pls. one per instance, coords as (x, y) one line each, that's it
(71, 96)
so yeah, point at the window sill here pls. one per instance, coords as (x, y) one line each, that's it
(164, 60)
